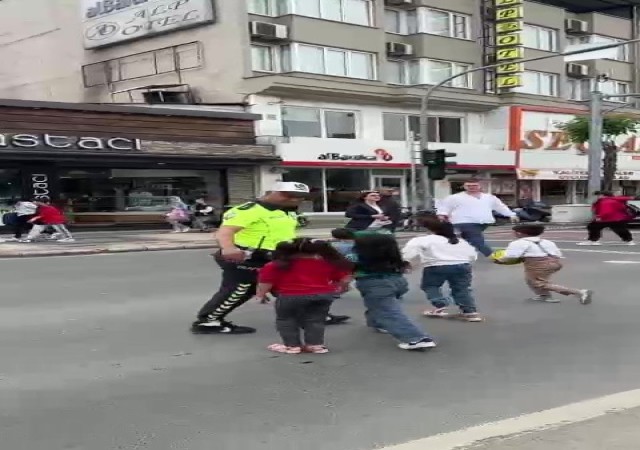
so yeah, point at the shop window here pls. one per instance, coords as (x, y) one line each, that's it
(554, 192)
(344, 186)
(10, 188)
(313, 179)
(112, 190)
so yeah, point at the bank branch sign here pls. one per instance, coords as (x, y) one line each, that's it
(108, 22)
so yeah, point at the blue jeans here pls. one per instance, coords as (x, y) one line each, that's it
(459, 278)
(382, 299)
(472, 233)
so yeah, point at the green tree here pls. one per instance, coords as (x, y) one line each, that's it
(613, 126)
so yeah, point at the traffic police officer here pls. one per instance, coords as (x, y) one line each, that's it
(248, 235)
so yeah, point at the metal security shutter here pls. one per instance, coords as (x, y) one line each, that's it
(241, 184)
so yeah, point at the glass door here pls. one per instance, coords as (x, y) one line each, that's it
(396, 182)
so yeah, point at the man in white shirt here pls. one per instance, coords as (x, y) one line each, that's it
(471, 212)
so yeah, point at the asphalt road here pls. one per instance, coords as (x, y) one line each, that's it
(96, 355)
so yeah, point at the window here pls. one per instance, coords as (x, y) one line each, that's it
(540, 38)
(314, 122)
(358, 12)
(314, 178)
(436, 71)
(396, 72)
(613, 87)
(539, 83)
(333, 61)
(396, 127)
(344, 186)
(443, 23)
(262, 7)
(340, 124)
(428, 71)
(304, 122)
(146, 64)
(622, 51)
(392, 21)
(262, 58)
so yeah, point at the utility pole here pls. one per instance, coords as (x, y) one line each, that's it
(427, 183)
(595, 142)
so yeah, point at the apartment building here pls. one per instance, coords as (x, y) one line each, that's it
(338, 82)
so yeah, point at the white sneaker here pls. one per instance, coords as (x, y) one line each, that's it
(438, 313)
(185, 230)
(420, 345)
(66, 240)
(25, 241)
(630, 243)
(589, 243)
(585, 296)
(544, 299)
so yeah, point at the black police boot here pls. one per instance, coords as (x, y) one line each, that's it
(336, 320)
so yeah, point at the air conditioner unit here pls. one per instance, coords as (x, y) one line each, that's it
(269, 31)
(167, 97)
(399, 49)
(400, 2)
(574, 26)
(577, 70)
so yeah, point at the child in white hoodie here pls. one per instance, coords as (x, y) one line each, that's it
(445, 258)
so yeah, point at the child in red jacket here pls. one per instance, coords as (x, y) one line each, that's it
(610, 211)
(48, 215)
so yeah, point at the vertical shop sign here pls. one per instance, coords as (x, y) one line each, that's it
(39, 183)
(508, 28)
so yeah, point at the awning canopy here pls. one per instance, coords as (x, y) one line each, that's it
(614, 7)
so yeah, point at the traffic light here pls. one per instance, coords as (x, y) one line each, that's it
(436, 163)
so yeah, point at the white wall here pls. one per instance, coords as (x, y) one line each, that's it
(484, 138)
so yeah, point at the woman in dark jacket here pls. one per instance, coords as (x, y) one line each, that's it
(367, 214)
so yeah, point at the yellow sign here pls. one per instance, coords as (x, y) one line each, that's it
(514, 13)
(510, 68)
(508, 40)
(505, 54)
(509, 27)
(509, 81)
(508, 2)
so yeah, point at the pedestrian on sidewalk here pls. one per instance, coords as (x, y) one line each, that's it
(18, 219)
(610, 211)
(380, 280)
(445, 259)
(471, 212)
(48, 215)
(391, 207)
(179, 215)
(247, 238)
(541, 259)
(202, 214)
(305, 276)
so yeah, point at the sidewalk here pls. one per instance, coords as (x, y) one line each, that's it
(614, 431)
(121, 241)
(96, 242)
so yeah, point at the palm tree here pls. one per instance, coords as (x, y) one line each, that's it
(613, 126)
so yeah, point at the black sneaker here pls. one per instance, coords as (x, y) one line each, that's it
(208, 326)
(336, 320)
(422, 344)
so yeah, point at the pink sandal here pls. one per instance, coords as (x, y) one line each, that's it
(281, 348)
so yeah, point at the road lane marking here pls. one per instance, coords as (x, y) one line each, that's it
(527, 423)
(622, 262)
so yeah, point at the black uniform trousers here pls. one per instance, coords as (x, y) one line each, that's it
(238, 286)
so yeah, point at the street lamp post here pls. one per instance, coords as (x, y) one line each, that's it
(427, 184)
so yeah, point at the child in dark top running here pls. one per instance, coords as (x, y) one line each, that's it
(305, 275)
(380, 280)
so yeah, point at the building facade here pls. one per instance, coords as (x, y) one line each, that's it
(115, 164)
(338, 83)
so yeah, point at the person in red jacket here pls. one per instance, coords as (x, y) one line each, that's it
(610, 211)
(48, 215)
